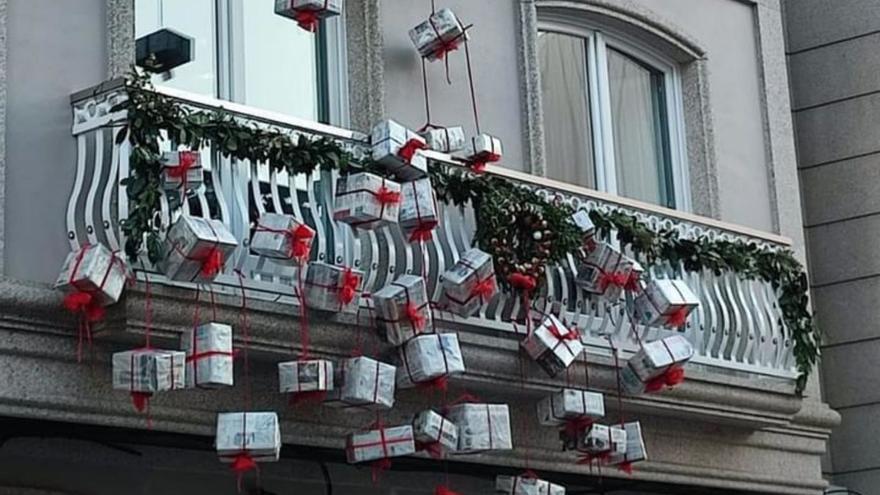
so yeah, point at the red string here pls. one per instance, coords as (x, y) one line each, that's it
(245, 326)
(467, 53)
(305, 336)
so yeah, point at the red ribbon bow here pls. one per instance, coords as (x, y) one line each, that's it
(308, 20)
(408, 150)
(416, 316)
(140, 400)
(241, 464)
(478, 165)
(212, 263)
(484, 289)
(616, 279)
(302, 241)
(90, 310)
(444, 490)
(570, 335)
(348, 286)
(523, 282)
(186, 161)
(670, 378)
(385, 196)
(678, 318)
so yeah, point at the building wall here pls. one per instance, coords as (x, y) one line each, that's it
(832, 53)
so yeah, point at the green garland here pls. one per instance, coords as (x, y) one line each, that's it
(521, 230)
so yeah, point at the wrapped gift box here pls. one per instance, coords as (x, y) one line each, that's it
(381, 443)
(570, 404)
(366, 201)
(431, 428)
(257, 434)
(470, 283)
(442, 33)
(481, 427)
(398, 149)
(363, 382)
(308, 12)
(604, 271)
(526, 485)
(584, 223)
(282, 239)
(182, 169)
(665, 302)
(602, 439)
(164, 50)
(149, 370)
(333, 288)
(194, 244)
(484, 149)
(427, 358)
(208, 349)
(403, 310)
(654, 358)
(635, 446)
(419, 214)
(553, 345)
(445, 139)
(95, 270)
(315, 375)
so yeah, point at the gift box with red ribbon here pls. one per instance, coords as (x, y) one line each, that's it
(635, 447)
(434, 433)
(657, 365)
(483, 150)
(282, 238)
(399, 150)
(196, 249)
(147, 371)
(570, 404)
(602, 440)
(665, 302)
(469, 284)
(209, 357)
(333, 288)
(429, 360)
(313, 375)
(444, 139)
(380, 443)
(403, 310)
(363, 382)
(528, 484)
(481, 427)
(308, 13)
(553, 345)
(255, 436)
(604, 271)
(95, 271)
(442, 33)
(419, 213)
(366, 201)
(182, 170)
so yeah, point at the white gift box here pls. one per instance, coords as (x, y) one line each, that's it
(484, 148)
(419, 214)
(209, 358)
(602, 439)
(481, 427)
(654, 358)
(403, 310)
(665, 302)
(363, 382)
(366, 201)
(314, 375)
(282, 239)
(431, 428)
(390, 140)
(553, 345)
(192, 243)
(381, 443)
(429, 357)
(604, 271)
(584, 223)
(327, 288)
(182, 169)
(635, 446)
(256, 434)
(95, 270)
(295, 9)
(570, 404)
(440, 34)
(445, 139)
(468, 283)
(149, 370)
(526, 485)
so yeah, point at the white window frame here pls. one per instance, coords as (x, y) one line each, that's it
(598, 41)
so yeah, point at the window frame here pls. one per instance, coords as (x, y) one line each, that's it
(598, 41)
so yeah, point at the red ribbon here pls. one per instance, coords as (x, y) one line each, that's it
(212, 263)
(348, 287)
(444, 490)
(670, 378)
(416, 316)
(478, 165)
(140, 400)
(626, 467)
(523, 282)
(423, 233)
(616, 279)
(241, 464)
(309, 18)
(632, 282)
(301, 242)
(434, 449)
(678, 318)
(484, 289)
(571, 335)
(409, 149)
(385, 196)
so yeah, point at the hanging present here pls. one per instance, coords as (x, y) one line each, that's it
(481, 151)
(209, 357)
(380, 443)
(196, 249)
(602, 441)
(399, 150)
(527, 484)
(308, 13)
(96, 271)
(553, 345)
(363, 382)
(570, 404)
(430, 360)
(657, 365)
(444, 139)
(442, 33)
(333, 288)
(255, 436)
(665, 302)
(144, 372)
(366, 201)
(434, 433)
(282, 238)
(469, 284)
(403, 310)
(604, 271)
(306, 376)
(419, 214)
(635, 448)
(481, 427)
(182, 170)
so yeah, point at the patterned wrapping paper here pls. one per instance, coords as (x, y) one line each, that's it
(429, 357)
(363, 382)
(94, 269)
(526, 485)
(327, 288)
(484, 148)
(191, 243)
(481, 427)
(321, 8)
(403, 310)
(441, 33)
(570, 404)
(366, 201)
(419, 213)
(602, 439)
(149, 370)
(431, 428)
(445, 139)
(470, 283)
(209, 358)
(553, 345)
(605, 271)
(282, 239)
(398, 149)
(380, 443)
(635, 446)
(257, 434)
(182, 168)
(315, 375)
(665, 302)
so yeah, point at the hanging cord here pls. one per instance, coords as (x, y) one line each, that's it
(245, 327)
(428, 123)
(467, 54)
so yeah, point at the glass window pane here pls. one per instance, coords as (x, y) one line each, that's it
(639, 126)
(565, 95)
(194, 18)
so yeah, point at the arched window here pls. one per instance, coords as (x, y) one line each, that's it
(612, 115)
